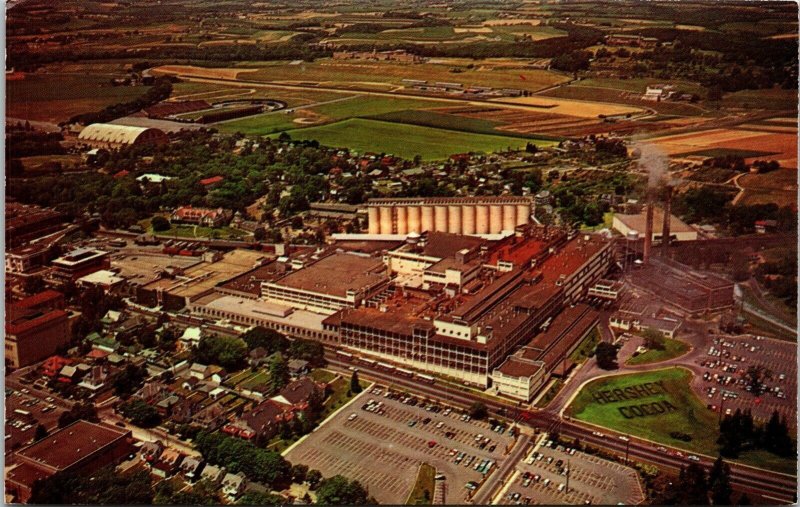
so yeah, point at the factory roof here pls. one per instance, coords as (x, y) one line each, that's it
(68, 446)
(637, 222)
(454, 201)
(337, 274)
(78, 256)
(518, 367)
(28, 322)
(38, 299)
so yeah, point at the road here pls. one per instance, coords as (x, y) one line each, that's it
(496, 480)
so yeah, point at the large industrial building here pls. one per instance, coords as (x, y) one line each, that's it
(456, 215)
(438, 302)
(36, 327)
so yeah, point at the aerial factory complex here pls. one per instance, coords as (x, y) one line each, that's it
(418, 253)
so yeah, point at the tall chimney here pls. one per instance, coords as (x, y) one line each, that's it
(648, 232)
(665, 232)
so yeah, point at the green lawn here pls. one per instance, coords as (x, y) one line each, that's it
(426, 482)
(262, 377)
(259, 124)
(404, 140)
(321, 375)
(340, 388)
(672, 348)
(191, 232)
(690, 417)
(586, 348)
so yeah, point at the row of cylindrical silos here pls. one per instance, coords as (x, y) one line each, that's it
(452, 218)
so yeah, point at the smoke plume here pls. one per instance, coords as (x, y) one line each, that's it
(655, 162)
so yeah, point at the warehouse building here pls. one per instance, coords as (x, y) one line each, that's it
(111, 136)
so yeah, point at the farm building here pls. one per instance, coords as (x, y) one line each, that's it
(107, 135)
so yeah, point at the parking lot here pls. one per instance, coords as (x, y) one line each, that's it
(725, 363)
(541, 478)
(24, 412)
(382, 444)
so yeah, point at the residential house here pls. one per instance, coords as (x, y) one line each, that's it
(262, 422)
(202, 216)
(213, 474)
(297, 367)
(300, 394)
(164, 406)
(258, 356)
(233, 484)
(151, 451)
(95, 379)
(191, 467)
(167, 464)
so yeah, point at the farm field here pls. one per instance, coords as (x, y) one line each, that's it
(405, 141)
(441, 119)
(582, 109)
(343, 108)
(780, 146)
(605, 94)
(779, 187)
(334, 72)
(56, 97)
(206, 72)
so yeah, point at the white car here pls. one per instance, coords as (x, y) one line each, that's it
(693, 457)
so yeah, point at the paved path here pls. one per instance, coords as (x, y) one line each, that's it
(487, 491)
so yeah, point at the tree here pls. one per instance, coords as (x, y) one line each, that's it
(278, 372)
(308, 350)
(129, 380)
(606, 354)
(228, 352)
(299, 473)
(755, 376)
(719, 481)
(140, 413)
(40, 433)
(104, 487)
(260, 234)
(653, 339)
(269, 339)
(338, 490)
(478, 410)
(259, 498)
(160, 223)
(694, 485)
(78, 411)
(313, 477)
(355, 385)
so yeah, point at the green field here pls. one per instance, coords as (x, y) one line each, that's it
(370, 106)
(672, 348)
(326, 113)
(690, 417)
(405, 140)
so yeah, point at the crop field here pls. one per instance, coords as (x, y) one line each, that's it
(679, 409)
(344, 108)
(544, 124)
(405, 141)
(206, 72)
(627, 97)
(436, 119)
(779, 146)
(779, 187)
(582, 109)
(335, 72)
(56, 97)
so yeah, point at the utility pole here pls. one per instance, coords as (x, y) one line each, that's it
(721, 408)
(627, 448)
(569, 470)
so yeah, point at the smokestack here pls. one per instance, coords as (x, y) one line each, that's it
(648, 232)
(665, 232)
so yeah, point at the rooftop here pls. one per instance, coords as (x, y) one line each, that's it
(72, 444)
(517, 367)
(638, 222)
(79, 256)
(336, 274)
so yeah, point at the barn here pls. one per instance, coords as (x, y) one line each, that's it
(107, 135)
